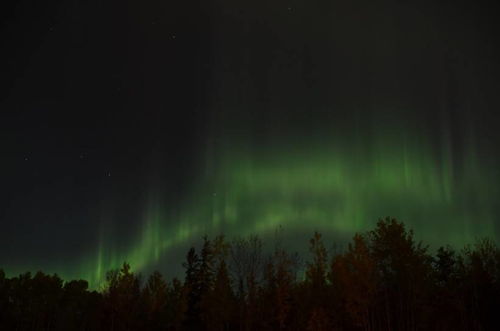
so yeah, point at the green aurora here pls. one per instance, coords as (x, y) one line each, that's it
(338, 187)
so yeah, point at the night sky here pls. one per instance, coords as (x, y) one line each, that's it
(129, 129)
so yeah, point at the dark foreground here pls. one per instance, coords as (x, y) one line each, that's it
(384, 280)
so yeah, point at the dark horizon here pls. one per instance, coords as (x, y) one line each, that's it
(383, 280)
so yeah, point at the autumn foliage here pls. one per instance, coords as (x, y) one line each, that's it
(382, 280)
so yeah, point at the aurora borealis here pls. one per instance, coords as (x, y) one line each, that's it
(130, 139)
(327, 189)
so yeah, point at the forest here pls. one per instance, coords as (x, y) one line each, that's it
(383, 279)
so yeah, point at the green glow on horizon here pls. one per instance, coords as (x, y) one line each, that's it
(336, 184)
(324, 186)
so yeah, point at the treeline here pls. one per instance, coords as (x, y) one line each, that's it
(383, 280)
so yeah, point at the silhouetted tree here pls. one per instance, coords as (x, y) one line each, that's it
(246, 265)
(155, 295)
(177, 305)
(277, 292)
(354, 276)
(192, 287)
(447, 304)
(4, 299)
(316, 282)
(218, 302)
(122, 299)
(384, 280)
(404, 269)
(480, 268)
